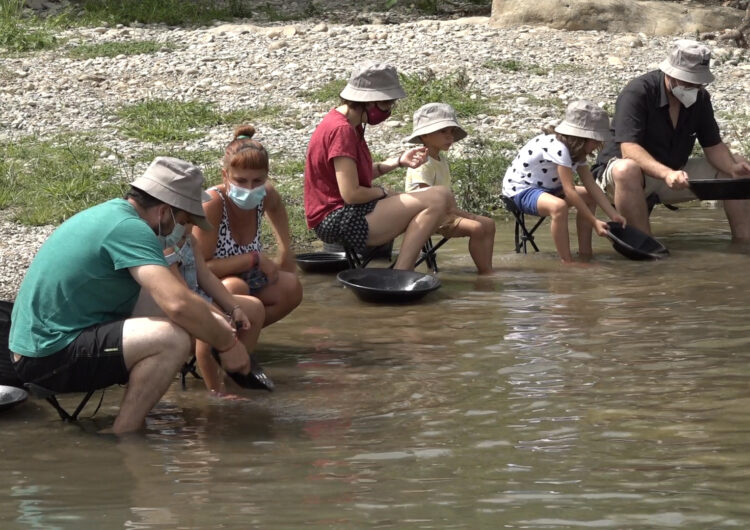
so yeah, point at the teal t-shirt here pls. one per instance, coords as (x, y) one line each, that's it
(80, 277)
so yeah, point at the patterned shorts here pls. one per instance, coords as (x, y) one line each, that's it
(347, 226)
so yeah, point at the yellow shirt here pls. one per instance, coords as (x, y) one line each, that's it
(432, 173)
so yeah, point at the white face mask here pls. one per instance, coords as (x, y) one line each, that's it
(686, 96)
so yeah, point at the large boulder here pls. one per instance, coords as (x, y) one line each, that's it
(648, 16)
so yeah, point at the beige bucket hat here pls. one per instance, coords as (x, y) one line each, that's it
(178, 184)
(689, 61)
(585, 120)
(433, 117)
(371, 81)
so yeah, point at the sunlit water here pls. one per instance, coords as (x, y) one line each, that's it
(610, 396)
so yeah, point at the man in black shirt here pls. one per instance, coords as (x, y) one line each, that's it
(658, 117)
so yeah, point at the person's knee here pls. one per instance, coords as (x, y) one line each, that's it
(236, 285)
(488, 226)
(442, 198)
(558, 209)
(627, 175)
(253, 309)
(176, 343)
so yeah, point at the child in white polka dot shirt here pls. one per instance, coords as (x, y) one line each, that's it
(540, 180)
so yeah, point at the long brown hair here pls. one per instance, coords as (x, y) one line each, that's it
(245, 153)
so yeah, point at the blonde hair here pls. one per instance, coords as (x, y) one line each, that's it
(245, 153)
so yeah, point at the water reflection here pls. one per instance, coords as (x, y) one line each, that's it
(607, 396)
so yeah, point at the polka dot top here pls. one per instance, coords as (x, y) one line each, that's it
(226, 246)
(535, 165)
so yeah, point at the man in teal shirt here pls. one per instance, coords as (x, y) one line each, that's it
(76, 324)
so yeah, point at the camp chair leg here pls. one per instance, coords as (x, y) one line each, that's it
(522, 235)
(428, 254)
(49, 396)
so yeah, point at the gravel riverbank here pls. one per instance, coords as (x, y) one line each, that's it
(245, 65)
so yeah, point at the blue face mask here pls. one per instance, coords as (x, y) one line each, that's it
(246, 199)
(171, 240)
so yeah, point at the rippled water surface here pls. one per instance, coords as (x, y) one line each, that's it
(610, 396)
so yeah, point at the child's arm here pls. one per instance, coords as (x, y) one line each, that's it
(572, 197)
(174, 266)
(208, 281)
(587, 178)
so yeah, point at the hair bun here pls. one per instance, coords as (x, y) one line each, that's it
(244, 130)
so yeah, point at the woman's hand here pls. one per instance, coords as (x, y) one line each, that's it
(269, 268)
(414, 157)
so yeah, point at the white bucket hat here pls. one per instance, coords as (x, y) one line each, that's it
(434, 117)
(688, 61)
(178, 184)
(371, 81)
(585, 120)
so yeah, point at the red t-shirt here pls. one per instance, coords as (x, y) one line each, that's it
(333, 137)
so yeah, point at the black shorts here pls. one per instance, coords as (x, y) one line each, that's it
(93, 360)
(347, 226)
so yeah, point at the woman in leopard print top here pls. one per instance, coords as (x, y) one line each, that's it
(233, 249)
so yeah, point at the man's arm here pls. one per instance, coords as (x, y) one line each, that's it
(675, 179)
(722, 159)
(189, 311)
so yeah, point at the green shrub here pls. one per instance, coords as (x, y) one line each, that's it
(18, 34)
(478, 181)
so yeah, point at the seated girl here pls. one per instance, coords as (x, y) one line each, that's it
(540, 180)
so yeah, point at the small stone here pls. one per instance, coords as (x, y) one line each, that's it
(278, 45)
(320, 28)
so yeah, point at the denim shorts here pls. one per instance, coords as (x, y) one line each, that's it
(93, 360)
(526, 200)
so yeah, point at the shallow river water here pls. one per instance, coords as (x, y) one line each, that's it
(610, 396)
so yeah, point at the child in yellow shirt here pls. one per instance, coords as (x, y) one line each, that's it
(436, 126)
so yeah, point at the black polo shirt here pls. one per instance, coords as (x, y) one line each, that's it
(642, 117)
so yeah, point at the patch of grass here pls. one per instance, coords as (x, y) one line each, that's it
(167, 121)
(46, 182)
(506, 65)
(207, 159)
(328, 93)
(273, 14)
(113, 49)
(511, 65)
(22, 34)
(286, 168)
(455, 90)
(171, 12)
(572, 68)
(544, 102)
(162, 121)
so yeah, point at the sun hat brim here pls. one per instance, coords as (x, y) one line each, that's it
(702, 77)
(366, 95)
(601, 135)
(175, 199)
(458, 132)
